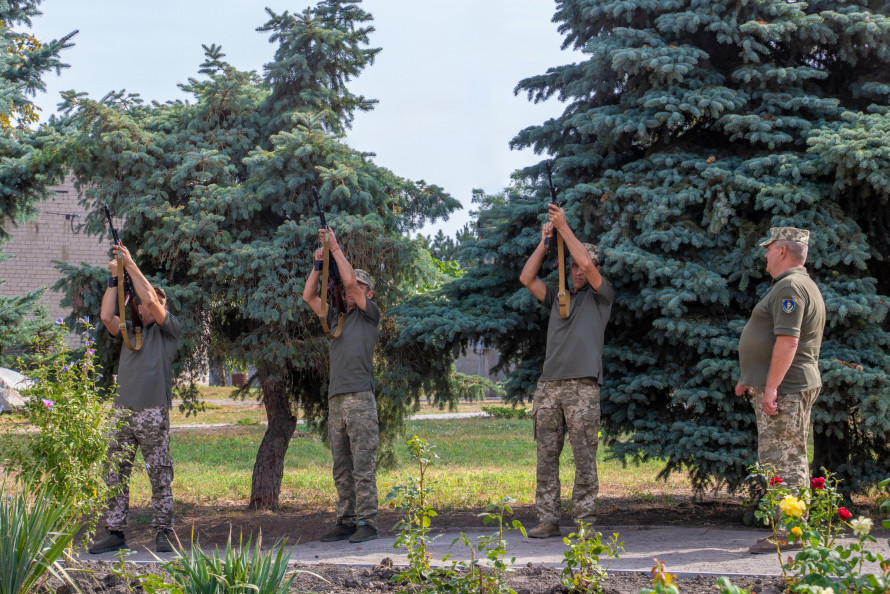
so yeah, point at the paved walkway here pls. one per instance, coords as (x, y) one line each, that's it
(685, 551)
(464, 415)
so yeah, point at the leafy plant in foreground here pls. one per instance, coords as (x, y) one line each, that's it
(582, 571)
(36, 526)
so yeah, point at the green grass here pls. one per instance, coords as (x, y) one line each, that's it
(480, 460)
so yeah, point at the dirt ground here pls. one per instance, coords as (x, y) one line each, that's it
(336, 579)
(212, 527)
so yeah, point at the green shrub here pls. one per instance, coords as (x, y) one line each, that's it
(72, 421)
(240, 570)
(582, 570)
(36, 525)
(506, 412)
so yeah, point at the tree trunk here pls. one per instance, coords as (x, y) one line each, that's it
(268, 470)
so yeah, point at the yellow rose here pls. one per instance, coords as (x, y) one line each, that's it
(796, 531)
(792, 506)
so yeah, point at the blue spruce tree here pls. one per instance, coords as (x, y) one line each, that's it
(690, 128)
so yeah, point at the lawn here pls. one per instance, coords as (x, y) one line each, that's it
(480, 460)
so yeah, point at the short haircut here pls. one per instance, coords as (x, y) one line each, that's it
(797, 250)
(160, 293)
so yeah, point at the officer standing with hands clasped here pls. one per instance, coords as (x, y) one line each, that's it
(779, 360)
(353, 429)
(568, 392)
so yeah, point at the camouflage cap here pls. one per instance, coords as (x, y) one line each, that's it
(787, 234)
(363, 277)
(593, 251)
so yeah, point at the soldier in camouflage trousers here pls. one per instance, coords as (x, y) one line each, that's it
(353, 430)
(779, 361)
(141, 408)
(568, 392)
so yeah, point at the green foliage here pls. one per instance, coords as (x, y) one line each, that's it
(582, 571)
(72, 421)
(217, 197)
(462, 576)
(688, 131)
(414, 528)
(473, 577)
(241, 569)
(37, 524)
(24, 175)
(506, 412)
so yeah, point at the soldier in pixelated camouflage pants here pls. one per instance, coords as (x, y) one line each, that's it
(575, 404)
(354, 436)
(782, 439)
(149, 429)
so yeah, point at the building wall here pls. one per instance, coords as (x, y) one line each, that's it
(53, 235)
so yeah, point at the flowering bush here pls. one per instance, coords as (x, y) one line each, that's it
(814, 517)
(72, 421)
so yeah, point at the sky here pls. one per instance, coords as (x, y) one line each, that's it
(444, 78)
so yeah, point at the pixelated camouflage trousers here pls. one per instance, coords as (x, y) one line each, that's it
(149, 430)
(572, 404)
(782, 438)
(353, 433)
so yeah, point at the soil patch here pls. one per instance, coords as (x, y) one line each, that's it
(94, 577)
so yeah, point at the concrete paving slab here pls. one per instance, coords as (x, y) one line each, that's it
(685, 550)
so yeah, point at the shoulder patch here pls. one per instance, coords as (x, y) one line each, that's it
(788, 305)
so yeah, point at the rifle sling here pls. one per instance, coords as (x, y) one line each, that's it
(122, 308)
(563, 296)
(324, 289)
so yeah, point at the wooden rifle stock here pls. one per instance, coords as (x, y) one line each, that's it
(562, 295)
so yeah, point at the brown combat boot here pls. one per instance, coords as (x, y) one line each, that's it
(544, 530)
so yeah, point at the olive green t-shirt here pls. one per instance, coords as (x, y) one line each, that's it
(793, 307)
(352, 354)
(145, 377)
(575, 344)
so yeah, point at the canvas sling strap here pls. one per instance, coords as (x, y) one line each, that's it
(562, 296)
(324, 288)
(122, 308)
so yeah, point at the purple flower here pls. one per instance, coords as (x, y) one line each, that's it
(64, 369)
(90, 352)
(59, 322)
(47, 403)
(84, 320)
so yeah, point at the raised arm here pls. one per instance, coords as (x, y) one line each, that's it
(347, 273)
(576, 248)
(147, 296)
(109, 300)
(310, 291)
(529, 276)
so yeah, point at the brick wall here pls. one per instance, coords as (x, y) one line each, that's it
(53, 235)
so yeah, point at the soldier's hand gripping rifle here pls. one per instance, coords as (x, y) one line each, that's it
(126, 295)
(562, 295)
(331, 283)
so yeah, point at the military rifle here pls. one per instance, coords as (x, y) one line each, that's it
(331, 281)
(126, 293)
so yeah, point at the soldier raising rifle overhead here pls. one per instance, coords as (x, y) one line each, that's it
(568, 392)
(141, 406)
(353, 429)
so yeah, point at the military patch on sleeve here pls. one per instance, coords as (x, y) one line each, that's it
(788, 305)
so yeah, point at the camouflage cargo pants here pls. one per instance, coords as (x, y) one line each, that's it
(148, 429)
(574, 404)
(354, 435)
(782, 438)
